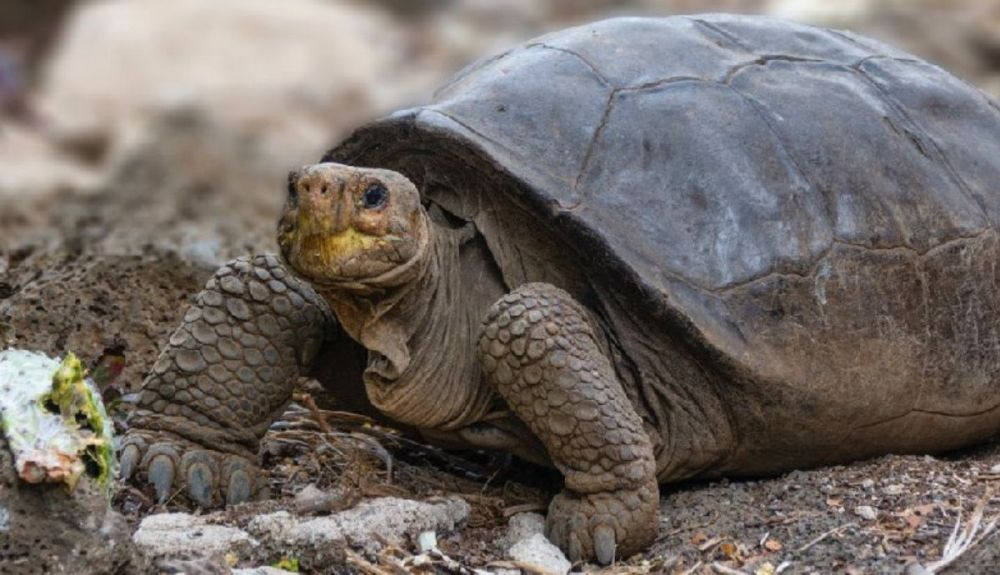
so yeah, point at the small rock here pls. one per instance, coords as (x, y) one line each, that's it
(868, 484)
(313, 501)
(522, 526)
(181, 533)
(894, 489)
(995, 468)
(260, 571)
(916, 568)
(426, 541)
(392, 518)
(866, 512)
(540, 552)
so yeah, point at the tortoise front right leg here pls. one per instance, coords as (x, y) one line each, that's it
(227, 372)
(540, 352)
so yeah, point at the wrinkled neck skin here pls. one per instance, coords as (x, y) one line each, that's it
(420, 331)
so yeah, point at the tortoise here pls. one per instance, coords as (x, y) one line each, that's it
(639, 251)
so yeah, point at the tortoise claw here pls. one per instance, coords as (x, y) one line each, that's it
(604, 544)
(161, 475)
(240, 487)
(200, 471)
(129, 461)
(575, 548)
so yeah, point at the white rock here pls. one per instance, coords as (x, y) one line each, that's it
(392, 518)
(172, 533)
(32, 168)
(293, 72)
(540, 552)
(426, 541)
(894, 489)
(260, 571)
(522, 526)
(866, 512)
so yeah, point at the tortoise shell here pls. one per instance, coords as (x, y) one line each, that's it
(806, 214)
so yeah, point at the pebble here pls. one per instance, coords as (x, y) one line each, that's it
(894, 489)
(311, 500)
(866, 512)
(522, 526)
(426, 541)
(540, 552)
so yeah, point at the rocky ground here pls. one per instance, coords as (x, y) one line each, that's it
(109, 228)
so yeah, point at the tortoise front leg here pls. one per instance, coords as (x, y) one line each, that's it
(540, 352)
(227, 372)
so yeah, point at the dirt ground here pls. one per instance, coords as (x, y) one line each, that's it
(108, 271)
(877, 516)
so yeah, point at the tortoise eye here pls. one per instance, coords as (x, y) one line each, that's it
(375, 197)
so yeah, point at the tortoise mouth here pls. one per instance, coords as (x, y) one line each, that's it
(352, 259)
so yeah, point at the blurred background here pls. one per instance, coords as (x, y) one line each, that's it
(144, 142)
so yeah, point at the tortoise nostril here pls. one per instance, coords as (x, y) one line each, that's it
(322, 190)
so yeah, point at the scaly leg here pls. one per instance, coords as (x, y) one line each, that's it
(227, 372)
(540, 352)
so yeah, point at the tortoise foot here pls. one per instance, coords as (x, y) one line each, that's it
(179, 468)
(605, 525)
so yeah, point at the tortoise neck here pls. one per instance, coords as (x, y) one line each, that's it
(420, 340)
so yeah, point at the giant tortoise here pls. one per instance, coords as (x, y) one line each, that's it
(640, 251)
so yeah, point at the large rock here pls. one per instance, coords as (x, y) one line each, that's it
(176, 534)
(56, 470)
(322, 539)
(293, 73)
(315, 542)
(45, 530)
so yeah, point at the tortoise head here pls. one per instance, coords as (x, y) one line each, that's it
(342, 224)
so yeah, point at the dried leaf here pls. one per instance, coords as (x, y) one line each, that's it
(773, 545)
(699, 538)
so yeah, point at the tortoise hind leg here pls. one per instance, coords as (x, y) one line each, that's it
(541, 354)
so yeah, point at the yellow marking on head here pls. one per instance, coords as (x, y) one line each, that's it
(349, 241)
(337, 246)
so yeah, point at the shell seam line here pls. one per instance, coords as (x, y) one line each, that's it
(663, 82)
(954, 175)
(470, 70)
(759, 109)
(836, 242)
(597, 73)
(765, 60)
(712, 27)
(593, 143)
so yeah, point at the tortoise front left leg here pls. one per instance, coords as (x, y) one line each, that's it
(227, 372)
(540, 352)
